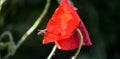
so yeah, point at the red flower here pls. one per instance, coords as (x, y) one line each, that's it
(61, 28)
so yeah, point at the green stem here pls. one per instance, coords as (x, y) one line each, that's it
(12, 49)
(52, 52)
(35, 25)
(3, 45)
(7, 33)
(1, 3)
(80, 45)
(7, 56)
(9, 44)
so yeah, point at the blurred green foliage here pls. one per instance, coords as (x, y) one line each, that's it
(100, 16)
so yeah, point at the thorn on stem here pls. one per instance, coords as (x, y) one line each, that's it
(42, 32)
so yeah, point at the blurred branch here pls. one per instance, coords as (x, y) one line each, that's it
(7, 33)
(11, 45)
(1, 3)
(3, 35)
(1, 16)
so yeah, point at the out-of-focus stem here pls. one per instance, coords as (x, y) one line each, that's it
(1, 3)
(10, 52)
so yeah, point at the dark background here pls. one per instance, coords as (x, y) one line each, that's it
(101, 18)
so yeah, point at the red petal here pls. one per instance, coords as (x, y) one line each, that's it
(64, 20)
(69, 44)
(48, 37)
(86, 38)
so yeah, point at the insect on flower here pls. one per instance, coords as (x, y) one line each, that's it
(62, 26)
